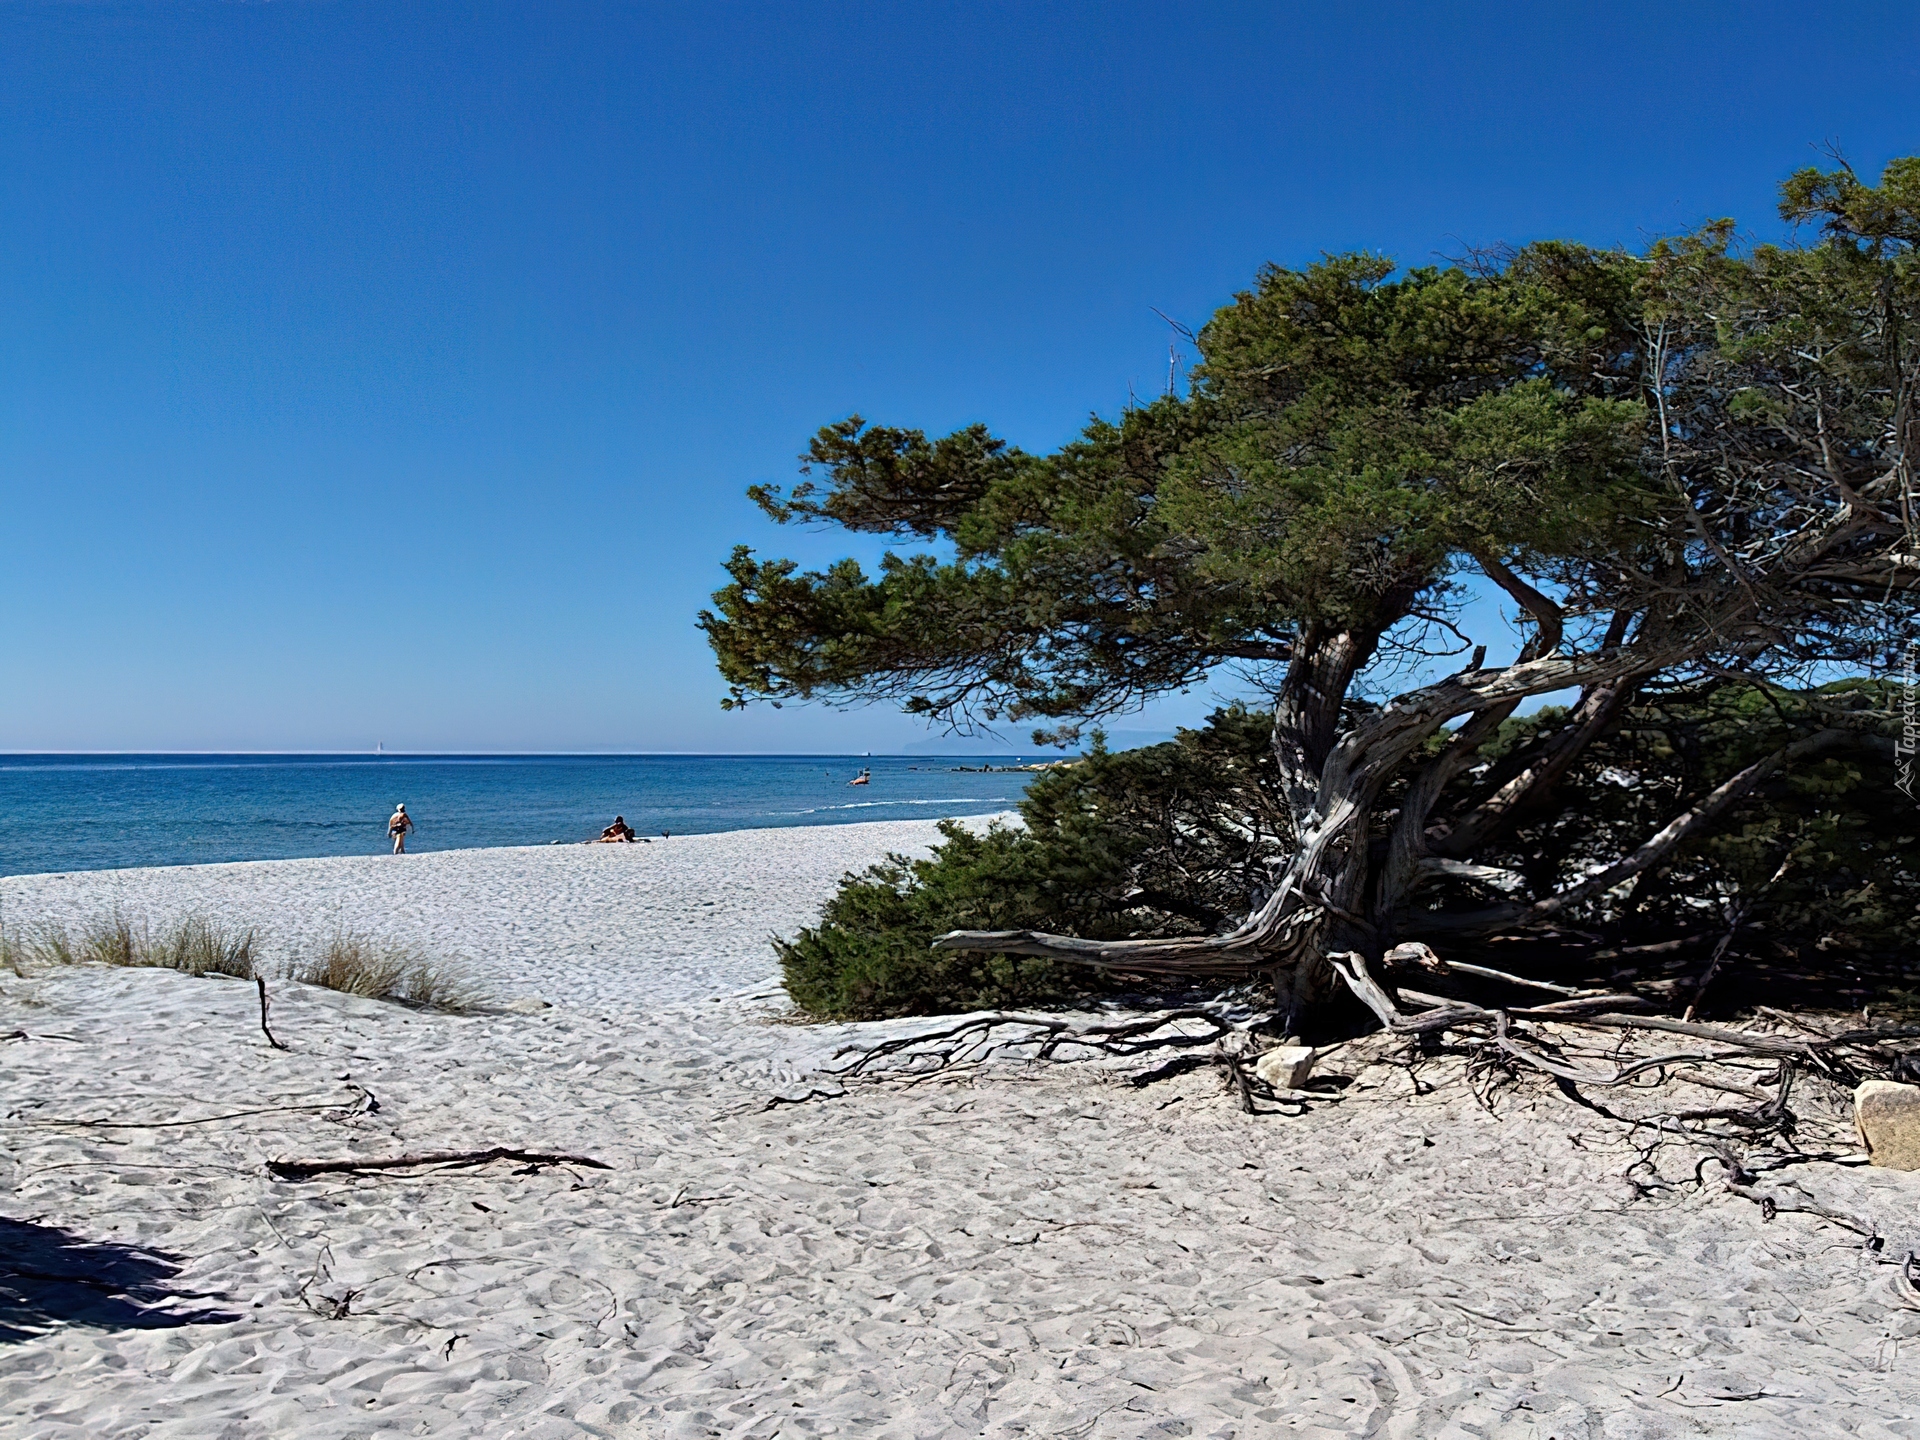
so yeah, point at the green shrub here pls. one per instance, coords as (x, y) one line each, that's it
(1826, 852)
(1170, 839)
(870, 955)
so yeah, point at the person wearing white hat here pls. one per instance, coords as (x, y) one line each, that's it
(398, 827)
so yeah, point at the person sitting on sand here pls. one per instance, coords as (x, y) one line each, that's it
(618, 833)
(398, 827)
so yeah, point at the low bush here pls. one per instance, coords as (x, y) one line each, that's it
(1170, 839)
(869, 956)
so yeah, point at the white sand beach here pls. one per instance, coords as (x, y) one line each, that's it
(1014, 1251)
(614, 929)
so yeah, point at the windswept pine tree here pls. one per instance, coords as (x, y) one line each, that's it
(1686, 468)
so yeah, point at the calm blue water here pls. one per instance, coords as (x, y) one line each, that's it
(95, 812)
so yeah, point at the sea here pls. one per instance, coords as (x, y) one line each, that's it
(103, 812)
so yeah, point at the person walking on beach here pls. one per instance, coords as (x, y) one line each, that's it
(398, 827)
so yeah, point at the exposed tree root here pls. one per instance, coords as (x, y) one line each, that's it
(1499, 1045)
(1848, 1053)
(1201, 1038)
(971, 1038)
(1498, 1042)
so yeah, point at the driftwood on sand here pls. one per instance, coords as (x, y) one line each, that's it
(306, 1169)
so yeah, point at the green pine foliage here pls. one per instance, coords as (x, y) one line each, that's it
(1823, 860)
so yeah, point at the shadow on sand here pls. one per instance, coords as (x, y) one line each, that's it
(50, 1276)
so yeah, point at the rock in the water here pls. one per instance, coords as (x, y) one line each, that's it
(529, 1005)
(1286, 1068)
(1888, 1118)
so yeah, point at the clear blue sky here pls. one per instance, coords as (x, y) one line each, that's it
(392, 372)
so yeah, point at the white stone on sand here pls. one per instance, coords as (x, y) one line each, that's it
(1286, 1067)
(1017, 1253)
(1887, 1116)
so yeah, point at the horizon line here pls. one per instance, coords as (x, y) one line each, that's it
(589, 754)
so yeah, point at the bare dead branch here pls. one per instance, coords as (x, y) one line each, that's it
(307, 1169)
(261, 981)
(1546, 614)
(1651, 852)
(202, 1120)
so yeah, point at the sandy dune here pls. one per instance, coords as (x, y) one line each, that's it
(1008, 1253)
(611, 928)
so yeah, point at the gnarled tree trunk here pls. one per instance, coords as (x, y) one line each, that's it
(1332, 896)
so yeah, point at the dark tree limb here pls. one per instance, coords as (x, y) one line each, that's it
(307, 1169)
(1529, 775)
(1546, 614)
(1742, 908)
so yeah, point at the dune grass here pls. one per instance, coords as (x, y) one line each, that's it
(17, 953)
(202, 947)
(31, 949)
(383, 970)
(351, 963)
(193, 945)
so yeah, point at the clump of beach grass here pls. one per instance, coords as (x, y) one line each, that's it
(198, 946)
(193, 945)
(110, 940)
(17, 953)
(383, 970)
